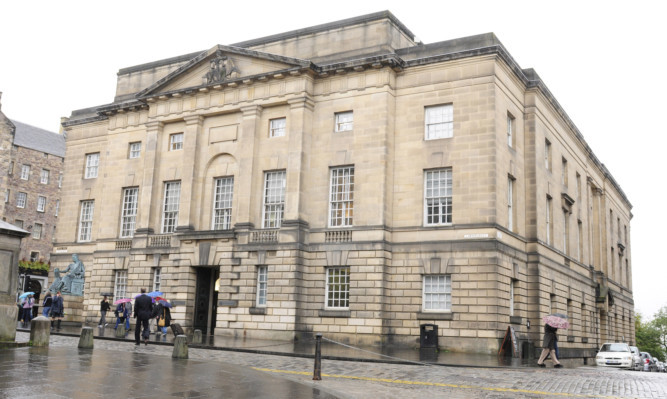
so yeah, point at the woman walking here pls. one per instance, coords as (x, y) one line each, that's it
(549, 343)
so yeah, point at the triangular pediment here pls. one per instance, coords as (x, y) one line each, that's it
(222, 64)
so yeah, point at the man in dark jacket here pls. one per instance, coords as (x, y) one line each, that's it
(143, 311)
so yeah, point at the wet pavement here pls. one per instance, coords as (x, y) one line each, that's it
(69, 372)
(330, 350)
(118, 368)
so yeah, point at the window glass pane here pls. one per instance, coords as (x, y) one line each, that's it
(21, 199)
(438, 197)
(176, 142)
(437, 292)
(37, 231)
(274, 199)
(120, 285)
(86, 220)
(25, 172)
(439, 122)
(172, 194)
(41, 203)
(44, 177)
(341, 199)
(157, 278)
(222, 203)
(92, 165)
(262, 279)
(338, 287)
(344, 121)
(277, 127)
(135, 150)
(129, 211)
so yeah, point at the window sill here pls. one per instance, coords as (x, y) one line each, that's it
(435, 316)
(333, 313)
(256, 310)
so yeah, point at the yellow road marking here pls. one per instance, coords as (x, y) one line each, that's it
(435, 384)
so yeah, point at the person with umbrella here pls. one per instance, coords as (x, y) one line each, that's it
(163, 316)
(552, 323)
(27, 303)
(57, 310)
(123, 313)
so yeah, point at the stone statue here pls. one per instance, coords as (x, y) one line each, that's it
(72, 283)
(57, 281)
(221, 68)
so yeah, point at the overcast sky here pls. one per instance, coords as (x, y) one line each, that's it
(603, 61)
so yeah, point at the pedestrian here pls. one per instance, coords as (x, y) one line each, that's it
(57, 310)
(104, 308)
(122, 316)
(549, 343)
(143, 311)
(27, 309)
(46, 305)
(163, 318)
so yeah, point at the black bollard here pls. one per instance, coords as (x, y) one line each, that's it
(317, 373)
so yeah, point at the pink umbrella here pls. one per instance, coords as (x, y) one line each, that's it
(556, 320)
(122, 300)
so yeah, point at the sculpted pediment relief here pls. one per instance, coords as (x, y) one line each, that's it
(222, 64)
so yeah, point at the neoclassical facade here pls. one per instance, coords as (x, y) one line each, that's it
(348, 180)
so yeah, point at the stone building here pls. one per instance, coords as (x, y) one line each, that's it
(31, 161)
(349, 180)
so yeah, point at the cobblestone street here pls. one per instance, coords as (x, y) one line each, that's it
(347, 379)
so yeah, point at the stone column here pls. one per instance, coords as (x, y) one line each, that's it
(150, 188)
(248, 138)
(189, 185)
(300, 125)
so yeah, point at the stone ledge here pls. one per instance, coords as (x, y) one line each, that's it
(333, 313)
(435, 316)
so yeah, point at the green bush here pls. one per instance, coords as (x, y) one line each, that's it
(36, 265)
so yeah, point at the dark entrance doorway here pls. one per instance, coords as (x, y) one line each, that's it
(206, 300)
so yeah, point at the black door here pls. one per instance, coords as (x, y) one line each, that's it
(202, 299)
(206, 300)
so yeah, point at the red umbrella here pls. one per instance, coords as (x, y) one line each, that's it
(556, 320)
(122, 300)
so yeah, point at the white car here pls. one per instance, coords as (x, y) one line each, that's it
(615, 354)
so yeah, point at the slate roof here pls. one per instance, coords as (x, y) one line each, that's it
(10, 229)
(39, 139)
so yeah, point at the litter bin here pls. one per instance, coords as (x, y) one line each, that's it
(428, 336)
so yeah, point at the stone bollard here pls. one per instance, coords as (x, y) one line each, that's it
(86, 338)
(196, 338)
(120, 331)
(180, 347)
(40, 331)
